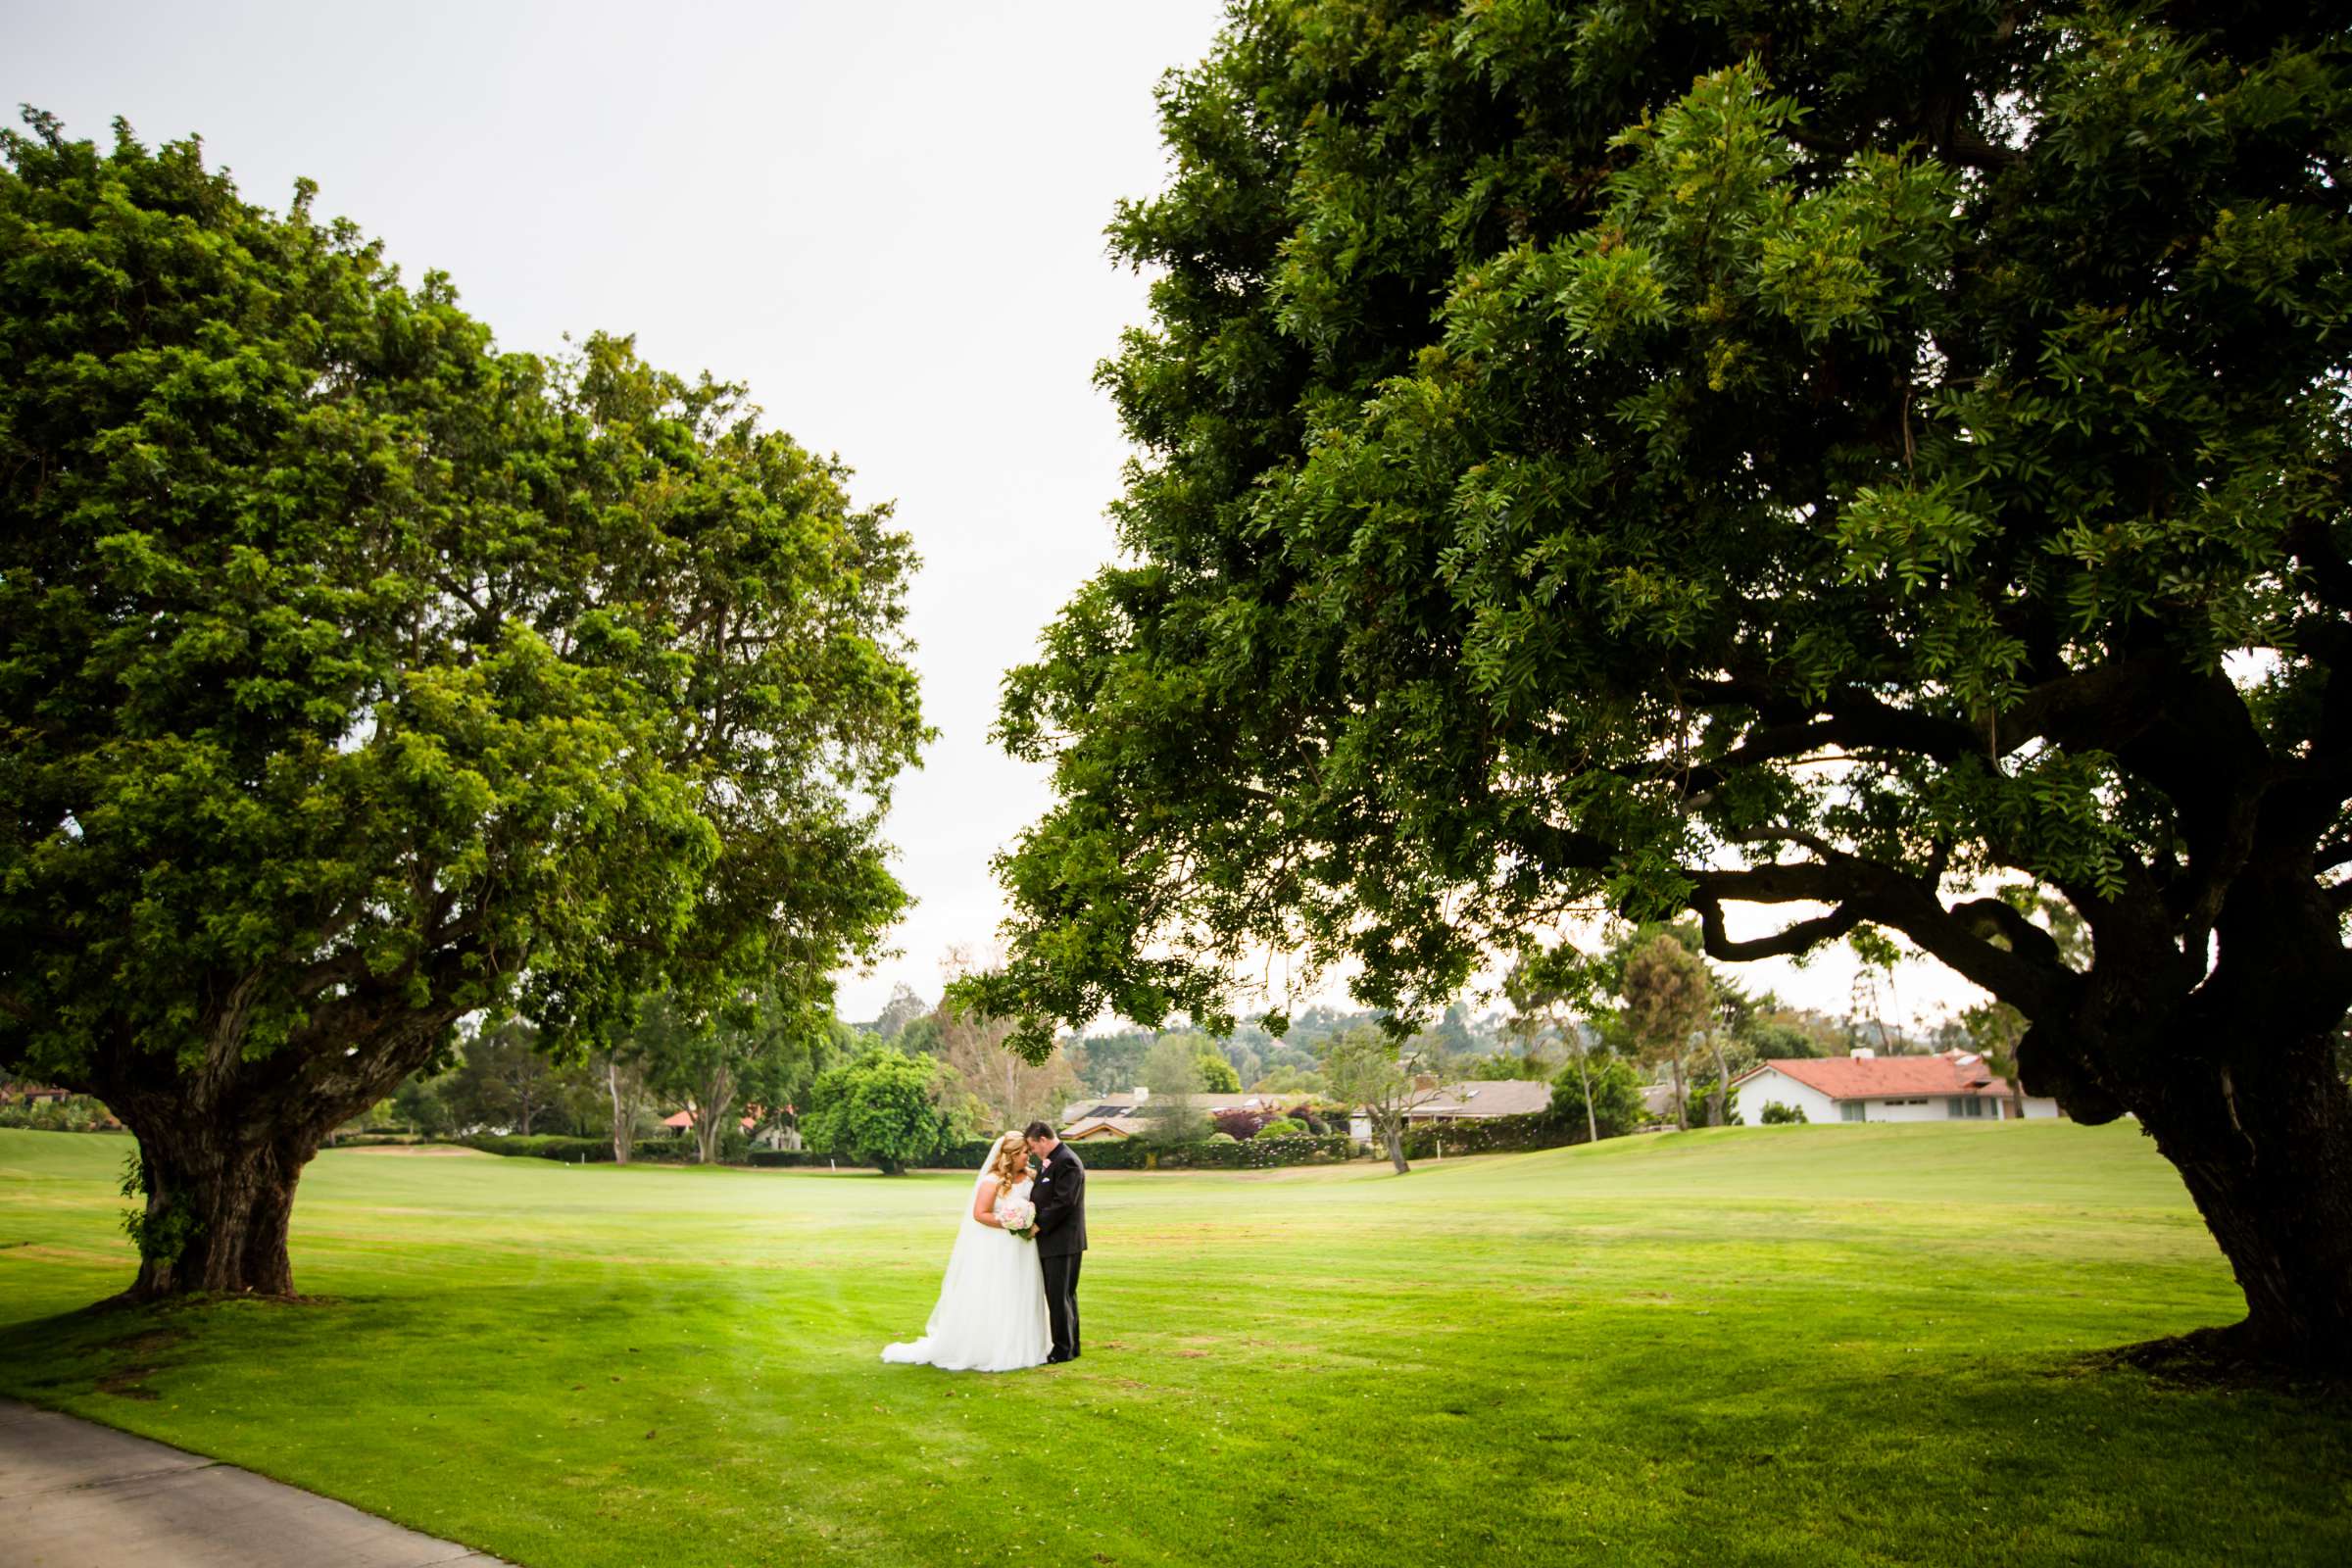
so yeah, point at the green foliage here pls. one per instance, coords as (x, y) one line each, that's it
(1173, 1071)
(1111, 1064)
(1217, 1075)
(1776, 1114)
(1564, 428)
(766, 1052)
(1497, 1135)
(1281, 1127)
(1292, 1081)
(74, 1113)
(357, 676)
(1668, 997)
(503, 1079)
(1616, 1099)
(880, 1111)
(157, 1237)
(420, 1104)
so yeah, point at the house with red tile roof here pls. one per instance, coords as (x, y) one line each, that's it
(1952, 1085)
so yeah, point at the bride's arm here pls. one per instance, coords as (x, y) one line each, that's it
(984, 1202)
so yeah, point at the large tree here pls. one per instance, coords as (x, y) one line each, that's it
(882, 1109)
(1668, 1001)
(504, 1078)
(356, 677)
(1372, 1071)
(1676, 456)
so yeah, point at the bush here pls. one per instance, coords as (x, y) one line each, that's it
(1317, 1119)
(1776, 1114)
(1223, 1137)
(1235, 1124)
(1495, 1135)
(75, 1114)
(1286, 1127)
(1616, 1097)
(1696, 1094)
(880, 1111)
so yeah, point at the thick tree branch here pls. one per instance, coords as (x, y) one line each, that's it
(1802, 937)
(2026, 972)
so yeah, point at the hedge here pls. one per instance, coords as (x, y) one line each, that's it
(1496, 1136)
(1249, 1153)
(581, 1150)
(1135, 1153)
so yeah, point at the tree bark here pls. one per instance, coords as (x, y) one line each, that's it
(1716, 1106)
(624, 1113)
(218, 1211)
(711, 1116)
(1391, 1133)
(1583, 1071)
(2263, 1142)
(1681, 1107)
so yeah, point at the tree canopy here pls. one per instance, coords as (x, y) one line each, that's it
(880, 1110)
(357, 675)
(1665, 457)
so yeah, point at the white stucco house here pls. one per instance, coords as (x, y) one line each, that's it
(1954, 1086)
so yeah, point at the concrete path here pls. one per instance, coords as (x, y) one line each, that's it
(77, 1495)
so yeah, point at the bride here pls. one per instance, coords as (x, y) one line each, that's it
(990, 1315)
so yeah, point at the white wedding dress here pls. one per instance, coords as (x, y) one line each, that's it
(990, 1315)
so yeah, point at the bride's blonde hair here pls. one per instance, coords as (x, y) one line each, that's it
(1011, 1162)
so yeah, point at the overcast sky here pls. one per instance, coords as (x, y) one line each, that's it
(886, 216)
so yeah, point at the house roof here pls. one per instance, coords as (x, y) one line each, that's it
(1496, 1096)
(1078, 1110)
(1954, 1072)
(1087, 1127)
(685, 1118)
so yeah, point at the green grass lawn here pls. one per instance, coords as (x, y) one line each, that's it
(1803, 1346)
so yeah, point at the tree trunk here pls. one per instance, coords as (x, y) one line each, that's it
(2264, 1144)
(625, 1115)
(1718, 1110)
(711, 1116)
(217, 1212)
(1681, 1107)
(1592, 1121)
(1393, 1133)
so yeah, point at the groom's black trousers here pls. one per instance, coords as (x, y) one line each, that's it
(1061, 1302)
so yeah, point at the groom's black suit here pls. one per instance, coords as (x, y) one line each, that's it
(1059, 1194)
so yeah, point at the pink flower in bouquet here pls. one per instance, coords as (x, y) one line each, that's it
(1017, 1215)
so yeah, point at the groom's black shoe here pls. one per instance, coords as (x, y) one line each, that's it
(1057, 1360)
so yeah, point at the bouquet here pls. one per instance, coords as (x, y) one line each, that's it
(1018, 1216)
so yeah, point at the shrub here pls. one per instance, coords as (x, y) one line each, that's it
(1237, 1123)
(1286, 1127)
(880, 1111)
(1616, 1097)
(75, 1114)
(1495, 1134)
(1776, 1114)
(1223, 1137)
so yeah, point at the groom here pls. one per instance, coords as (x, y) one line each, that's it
(1059, 1194)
